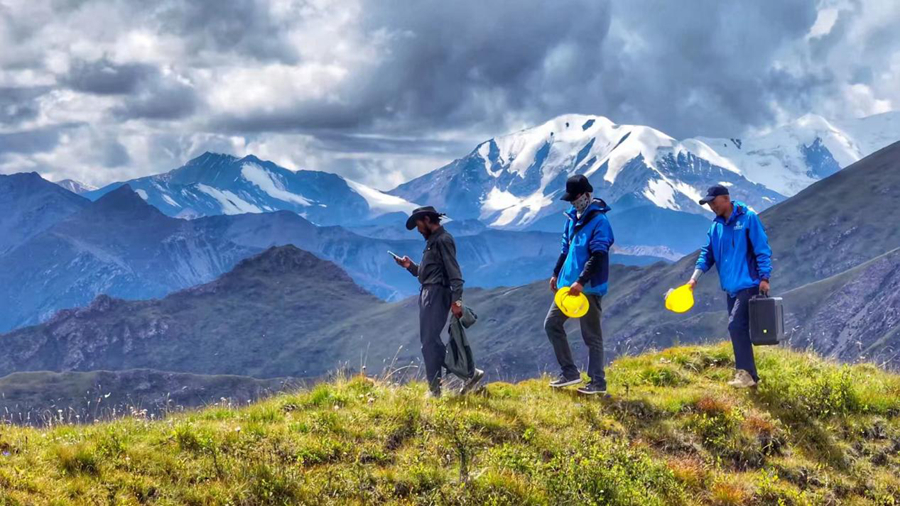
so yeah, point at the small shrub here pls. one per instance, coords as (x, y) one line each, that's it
(78, 459)
(724, 493)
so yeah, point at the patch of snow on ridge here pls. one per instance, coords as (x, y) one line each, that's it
(497, 200)
(484, 151)
(381, 203)
(169, 200)
(231, 203)
(661, 193)
(259, 176)
(531, 206)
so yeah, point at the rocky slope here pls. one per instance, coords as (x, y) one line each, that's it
(121, 246)
(264, 308)
(29, 205)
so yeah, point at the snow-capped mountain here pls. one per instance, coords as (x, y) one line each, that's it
(651, 180)
(514, 180)
(76, 187)
(793, 156)
(214, 184)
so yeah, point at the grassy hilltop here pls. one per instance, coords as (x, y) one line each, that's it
(671, 433)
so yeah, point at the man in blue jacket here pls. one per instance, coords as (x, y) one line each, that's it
(737, 245)
(583, 266)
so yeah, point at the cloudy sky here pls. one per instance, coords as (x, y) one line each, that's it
(384, 90)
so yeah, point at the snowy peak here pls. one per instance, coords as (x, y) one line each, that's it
(76, 187)
(514, 181)
(214, 184)
(789, 158)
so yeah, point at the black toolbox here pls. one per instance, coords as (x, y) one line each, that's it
(766, 320)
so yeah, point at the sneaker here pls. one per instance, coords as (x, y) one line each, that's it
(742, 379)
(432, 394)
(592, 389)
(472, 382)
(562, 381)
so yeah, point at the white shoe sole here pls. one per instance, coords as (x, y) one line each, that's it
(472, 383)
(566, 384)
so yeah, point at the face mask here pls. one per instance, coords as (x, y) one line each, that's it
(582, 202)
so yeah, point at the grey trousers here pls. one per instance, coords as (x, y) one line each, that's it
(593, 338)
(434, 308)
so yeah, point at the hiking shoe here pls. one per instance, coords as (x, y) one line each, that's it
(562, 381)
(592, 389)
(472, 382)
(432, 394)
(742, 379)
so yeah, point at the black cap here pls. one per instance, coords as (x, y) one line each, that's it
(418, 213)
(575, 186)
(713, 192)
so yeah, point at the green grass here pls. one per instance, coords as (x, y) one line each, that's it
(671, 433)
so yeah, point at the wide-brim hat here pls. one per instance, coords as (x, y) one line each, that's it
(418, 213)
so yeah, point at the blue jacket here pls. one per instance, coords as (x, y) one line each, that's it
(739, 249)
(581, 239)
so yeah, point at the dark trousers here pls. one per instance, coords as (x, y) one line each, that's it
(590, 331)
(739, 329)
(434, 308)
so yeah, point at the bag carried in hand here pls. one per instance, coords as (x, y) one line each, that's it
(766, 320)
(458, 358)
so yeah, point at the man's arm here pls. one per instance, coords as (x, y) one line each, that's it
(451, 267)
(706, 259)
(564, 251)
(413, 268)
(601, 240)
(760, 243)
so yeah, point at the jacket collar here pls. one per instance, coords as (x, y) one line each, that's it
(598, 205)
(740, 208)
(434, 235)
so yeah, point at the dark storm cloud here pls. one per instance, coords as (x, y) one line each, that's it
(19, 104)
(28, 142)
(449, 62)
(707, 69)
(146, 91)
(102, 77)
(688, 69)
(164, 99)
(341, 142)
(114, 154)
(244, 27)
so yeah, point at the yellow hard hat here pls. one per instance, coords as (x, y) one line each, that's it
(680, 300)
(571, 305)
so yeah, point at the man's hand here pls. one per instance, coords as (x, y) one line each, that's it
(692, 283)
(764, 287)
(457, 310)
(553, 286)
(404, 262)
(575, 289)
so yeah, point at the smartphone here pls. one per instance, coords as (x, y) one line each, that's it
(395, 255)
